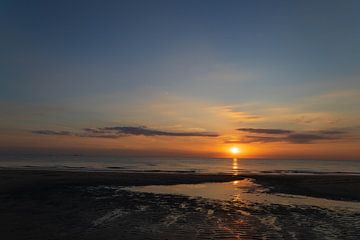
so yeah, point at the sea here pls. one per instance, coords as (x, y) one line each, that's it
(179, 164)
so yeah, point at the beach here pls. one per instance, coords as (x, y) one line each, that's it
(328, 186)
(47, 204)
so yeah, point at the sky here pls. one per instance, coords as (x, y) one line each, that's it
(278, 79)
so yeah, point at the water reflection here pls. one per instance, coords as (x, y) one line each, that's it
(236, 182)
(230, 210)
(244, 191)
(235, 167)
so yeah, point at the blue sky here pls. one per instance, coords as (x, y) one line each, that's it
(92, 63)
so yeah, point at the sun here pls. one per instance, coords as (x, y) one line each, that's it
(235, 150)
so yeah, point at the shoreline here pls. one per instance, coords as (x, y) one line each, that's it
(116, 169)
(328, 186)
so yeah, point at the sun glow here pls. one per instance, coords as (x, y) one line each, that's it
(235, 150)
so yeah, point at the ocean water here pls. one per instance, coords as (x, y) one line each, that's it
(178, 164)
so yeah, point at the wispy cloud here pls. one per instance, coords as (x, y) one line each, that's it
(255, 139)
(299, 138)
(309, 138)
(332, 132)
(234, 114)
(51, 132)
(264, 135)
(125, 130)
(121, 131)
(265, 130)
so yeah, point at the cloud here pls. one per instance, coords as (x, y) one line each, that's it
(288, 136)
(154, 132)
(332, 132)
(234, 114)
(308, 138)
(100, 133)
(255, 139)
(265, 130)
(298, 138)
(121, 131)
(51, 132)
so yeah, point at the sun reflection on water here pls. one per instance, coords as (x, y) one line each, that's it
(235, 166)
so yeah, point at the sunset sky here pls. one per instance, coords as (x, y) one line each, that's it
(277, 79)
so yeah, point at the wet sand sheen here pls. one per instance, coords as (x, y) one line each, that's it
(244, 190)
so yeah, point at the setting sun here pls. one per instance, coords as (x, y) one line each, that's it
(235, 150)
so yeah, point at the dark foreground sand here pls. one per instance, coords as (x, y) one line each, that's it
(90, 205)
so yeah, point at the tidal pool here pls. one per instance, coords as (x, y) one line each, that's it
(246, 191)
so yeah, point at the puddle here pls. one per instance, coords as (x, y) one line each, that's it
(244, 191)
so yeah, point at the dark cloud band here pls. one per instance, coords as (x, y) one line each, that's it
(121, 131)
(289, 136)
(153, 132)
(51, 132)
(265, 130)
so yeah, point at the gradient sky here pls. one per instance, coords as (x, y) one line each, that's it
(279, 79)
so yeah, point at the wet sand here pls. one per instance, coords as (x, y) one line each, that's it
(91, 205)
(34, 180)
(339, 187)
